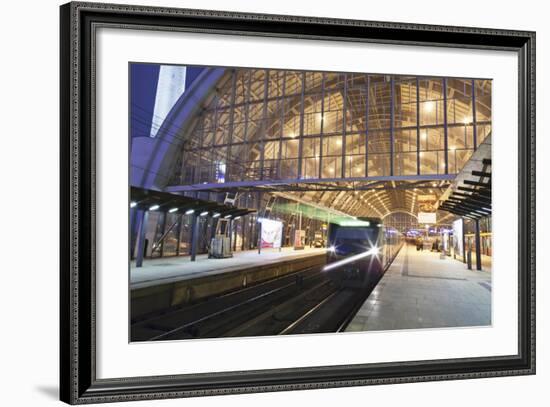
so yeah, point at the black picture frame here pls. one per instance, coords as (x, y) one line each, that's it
(78, 382)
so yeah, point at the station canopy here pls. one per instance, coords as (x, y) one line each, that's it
(146, 199)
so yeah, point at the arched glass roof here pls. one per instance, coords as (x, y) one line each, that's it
(364, 144)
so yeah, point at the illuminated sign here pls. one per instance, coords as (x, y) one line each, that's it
(427, 217)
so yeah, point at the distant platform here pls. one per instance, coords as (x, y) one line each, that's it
(171, 269)
(420, 290)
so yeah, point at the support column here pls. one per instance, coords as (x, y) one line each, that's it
(463, 241)
(478, 246)
(194, 237)
(230, 233)
(141, 237)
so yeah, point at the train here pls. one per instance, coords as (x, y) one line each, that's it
(360, 250)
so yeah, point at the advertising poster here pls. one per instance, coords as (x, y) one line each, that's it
(272, 233)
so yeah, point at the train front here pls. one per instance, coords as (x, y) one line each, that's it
(355, 252)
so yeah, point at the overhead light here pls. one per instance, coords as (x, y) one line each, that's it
(154, 207)
(133, 204)
(189, 211)
(203, 213)
(216, 215)
(173, 210)
(227, 216)
(237, 217)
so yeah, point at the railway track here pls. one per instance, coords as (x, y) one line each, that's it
(213, 318)
(302, 302)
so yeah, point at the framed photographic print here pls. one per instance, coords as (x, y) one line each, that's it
(256, 203)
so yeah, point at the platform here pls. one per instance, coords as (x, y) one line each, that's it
(172, 269)
(420, 290)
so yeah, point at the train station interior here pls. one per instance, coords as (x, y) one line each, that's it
(240, 176)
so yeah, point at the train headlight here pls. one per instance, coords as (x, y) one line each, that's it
(375, 250)
(332, 249)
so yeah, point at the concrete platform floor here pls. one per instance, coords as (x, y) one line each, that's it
(170, 269)
(420, 290)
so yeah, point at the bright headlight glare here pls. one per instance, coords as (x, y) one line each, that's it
(332, 249)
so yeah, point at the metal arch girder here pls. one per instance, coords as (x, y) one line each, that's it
(260, 183)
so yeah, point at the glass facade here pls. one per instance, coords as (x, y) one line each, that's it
(263, 124)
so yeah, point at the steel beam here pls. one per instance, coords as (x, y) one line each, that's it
(261, 183)
(477, 183)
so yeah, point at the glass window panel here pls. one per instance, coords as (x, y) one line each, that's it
(271, 150)
(241, 86)
(293, 83)
(459, 110)
(404, 163)
(355, 165)
(429, 162)
(431, 112)
(405, 115)
(469, 132)
(313, 81)
(274, 129)
(356, 109)
(310, 167)
(379, 142)
(292, 126)
(355, 144)
(457, 137)
(379, 165)
(332, 146)
(289, 168)
(430, 89)
(255, 111)
(257, 85)
(405, 140)
(312, 123)
(379, 103)
(331, 167)
(170, 242)
(333, 122)
(334, 80)
(185, 235)
(276, 79)
(290, 149)
(432, 139)
(311, 147)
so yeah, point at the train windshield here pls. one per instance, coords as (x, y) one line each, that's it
(354, 239)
